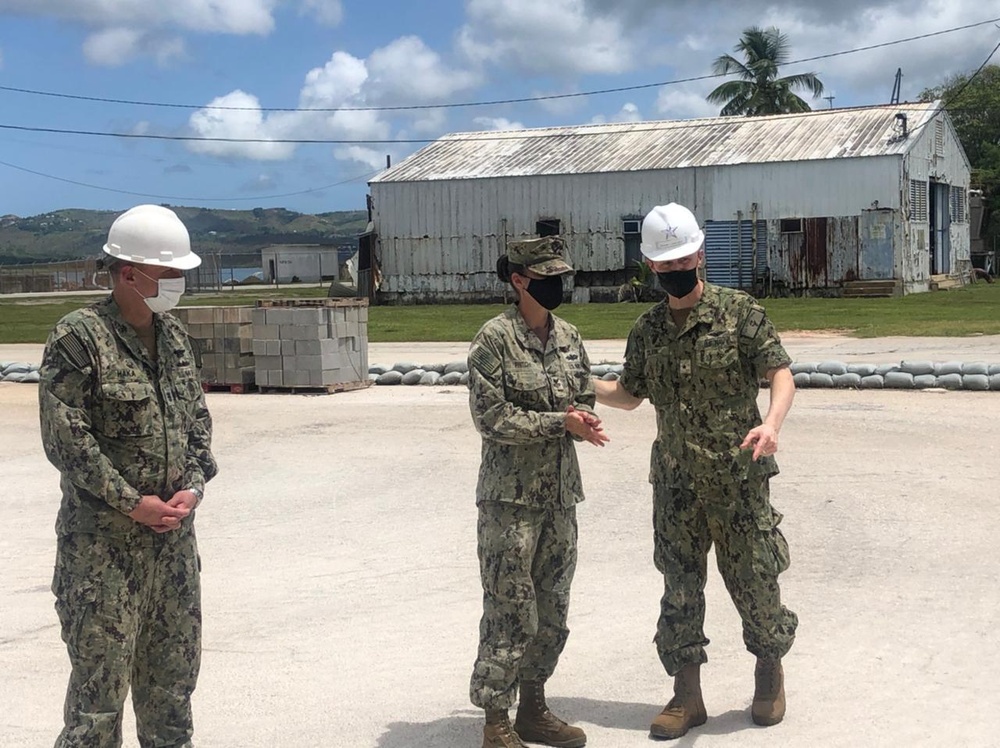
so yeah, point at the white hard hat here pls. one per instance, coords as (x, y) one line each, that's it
(670, 232)
(151, 235)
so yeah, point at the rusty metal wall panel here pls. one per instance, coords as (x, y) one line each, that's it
(843, 246)
(814, 264)
(823, 256)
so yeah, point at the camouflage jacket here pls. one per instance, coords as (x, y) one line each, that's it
(703, 381)
(117, 425)
(519, 392)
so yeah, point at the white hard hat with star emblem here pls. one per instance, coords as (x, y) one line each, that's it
(670, 232)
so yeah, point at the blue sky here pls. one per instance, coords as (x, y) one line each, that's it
(341, 54)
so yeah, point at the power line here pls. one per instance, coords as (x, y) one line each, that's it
(477, 137)
(187, 199)
(470, 104)
(954, 96)
(715, 121)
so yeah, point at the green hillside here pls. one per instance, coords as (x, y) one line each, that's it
(70, 234)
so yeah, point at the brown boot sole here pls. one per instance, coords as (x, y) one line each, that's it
(527, 737)
(764, 721)
(663, 733)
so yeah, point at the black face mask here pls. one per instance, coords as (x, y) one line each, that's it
(679, 283)
(546, 291)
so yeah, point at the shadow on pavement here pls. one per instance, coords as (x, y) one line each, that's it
(620, 715)
(464, 728)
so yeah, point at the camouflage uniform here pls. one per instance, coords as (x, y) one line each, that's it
(703, 381)
(118, 426)
(529, 485)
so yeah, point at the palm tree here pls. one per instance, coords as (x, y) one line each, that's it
(759, 89)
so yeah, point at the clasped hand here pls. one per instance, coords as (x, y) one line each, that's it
(586, 425)
(164, 516)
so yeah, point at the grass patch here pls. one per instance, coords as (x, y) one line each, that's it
(972, 310)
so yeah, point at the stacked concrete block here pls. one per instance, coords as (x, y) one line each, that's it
(311, 343)
(223, 337)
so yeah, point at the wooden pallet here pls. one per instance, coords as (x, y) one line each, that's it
(325, 389)
(235, 389)
(268, 303)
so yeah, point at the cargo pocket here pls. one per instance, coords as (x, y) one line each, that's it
(127, 409)
(528, 388)
(717, 371)
(770, 553)
(718, 477)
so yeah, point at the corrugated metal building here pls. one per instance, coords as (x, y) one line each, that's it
(799, 204)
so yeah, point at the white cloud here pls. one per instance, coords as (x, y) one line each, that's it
(429, 121)
(329, 12)
(334, 84)
(675, 102)
(248, 122)
(370, 157)
(332, 105)
(628, 113)
(497, 123)
(260, 183)
(124, 29)
(553, 38)
(407, 71)
(220, 16)
(112, 47)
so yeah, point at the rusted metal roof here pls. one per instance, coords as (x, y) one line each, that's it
(641, 146)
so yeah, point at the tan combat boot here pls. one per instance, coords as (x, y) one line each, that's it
(686, 709)
(498, 732)
(536, 724)
(769, 696)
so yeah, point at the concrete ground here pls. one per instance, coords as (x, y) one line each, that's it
(342, 598)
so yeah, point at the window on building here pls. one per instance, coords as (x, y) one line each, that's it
(632, 226)
(918, 201)
(791, 225)
(959, 204)
(938, 137)
(547, 227)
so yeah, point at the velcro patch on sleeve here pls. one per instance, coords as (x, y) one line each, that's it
(751, 326)
(484, 361)
(72, 350)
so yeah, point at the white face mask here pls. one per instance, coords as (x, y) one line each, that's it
(168, 295)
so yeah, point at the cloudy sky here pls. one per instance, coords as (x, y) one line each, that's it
(274, 70)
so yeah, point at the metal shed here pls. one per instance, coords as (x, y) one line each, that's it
(792, 204)
(301, 263)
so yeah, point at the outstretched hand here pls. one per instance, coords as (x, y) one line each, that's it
(763, 439)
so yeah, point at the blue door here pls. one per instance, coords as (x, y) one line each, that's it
(876, 261)
(730, 259)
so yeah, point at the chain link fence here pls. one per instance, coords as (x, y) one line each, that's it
(216, 272)
(49, 277)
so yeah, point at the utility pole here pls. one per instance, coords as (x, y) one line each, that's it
(830, 99)
(897, 86)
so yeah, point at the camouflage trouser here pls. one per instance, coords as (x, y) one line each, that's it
(131, 616)
(751, 552)
(527, 558)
